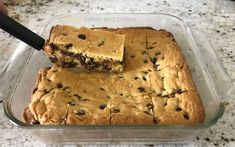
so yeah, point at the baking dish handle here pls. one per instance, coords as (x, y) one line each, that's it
(224, 85)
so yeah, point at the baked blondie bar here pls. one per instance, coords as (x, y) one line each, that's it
(155, 87)
(89, 49)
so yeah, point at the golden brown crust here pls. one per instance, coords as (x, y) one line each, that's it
(150, 90)
(28, 117)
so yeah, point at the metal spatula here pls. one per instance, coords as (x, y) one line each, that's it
(21, 32)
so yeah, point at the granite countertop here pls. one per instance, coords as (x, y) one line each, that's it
(218, 26)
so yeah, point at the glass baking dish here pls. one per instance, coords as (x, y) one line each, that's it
(213, 83)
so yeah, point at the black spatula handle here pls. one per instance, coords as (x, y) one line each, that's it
(21, 32)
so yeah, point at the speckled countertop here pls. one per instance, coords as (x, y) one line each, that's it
(218, 26)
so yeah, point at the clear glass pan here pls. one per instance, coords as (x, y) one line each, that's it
(213, 83)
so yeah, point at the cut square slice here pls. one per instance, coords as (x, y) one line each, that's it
(89, 49)
(131, 111)
(94, 110)
(183, 108)
(163, 49)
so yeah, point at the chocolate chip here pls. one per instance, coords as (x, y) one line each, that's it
(80, 112)
(155, 66)
(82, 36)
(178, 109)
(68, 64)
(159, 94)
(156, 120)
(35, 89)
(102, 106)
(46, 91)
(53, 59)
(186, 116)
(106, 67)
(86, 100)
(147, 112)
(165, 96)
(165, 104)
(65, 88)
(68, 46)
(150, 47)
(81, 58)
(144, 52)
(90, 60)
(145, 72)
(173, 39)
(141, 89)
(172, 95)
(101, 43)
(34, 122)
(144, 78)
(154, 60)
(102, 89)
(163, 58)
(64, 34)
(88, 63)
(121, 94)
(132, 56)
(66, 53)
(145, 61)
(71, 103)
(169, 35)
(115, 110)
(77, 96)
(136, 78)
(59, 85)
(158, 53)
(150, 106)
(53, 46)
(179, 91)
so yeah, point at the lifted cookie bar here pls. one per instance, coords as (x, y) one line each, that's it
(89, 49)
